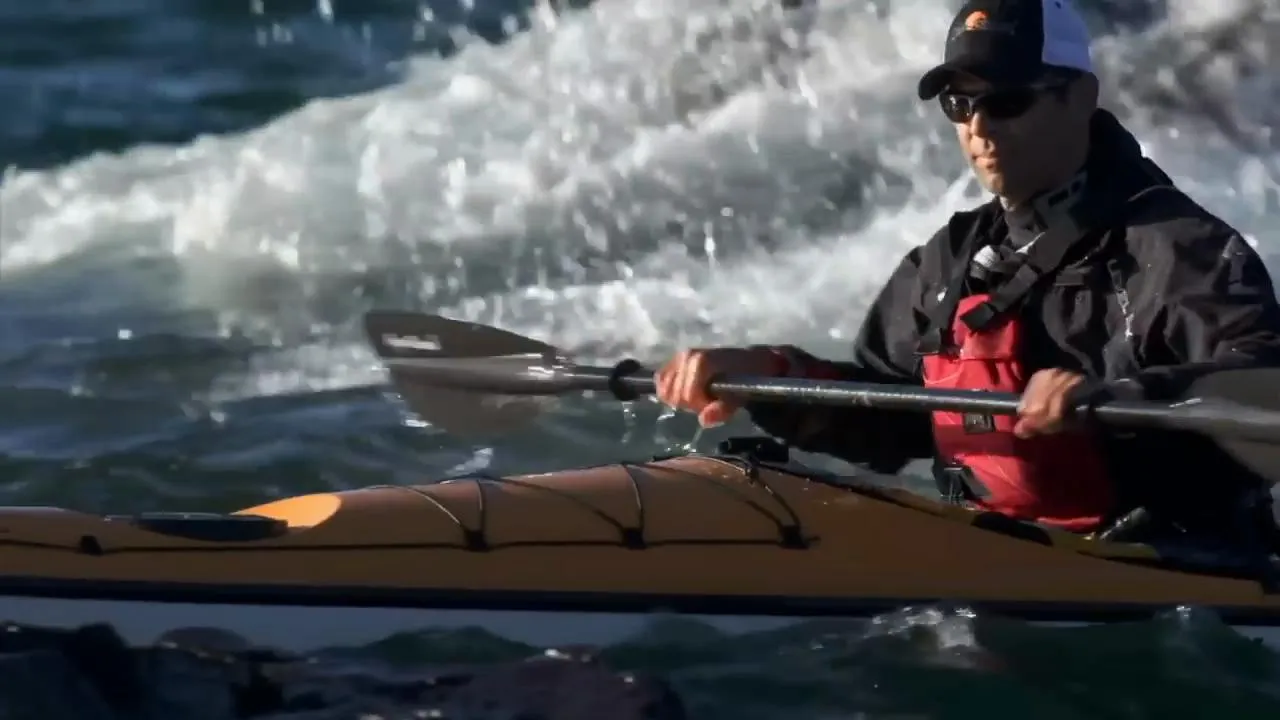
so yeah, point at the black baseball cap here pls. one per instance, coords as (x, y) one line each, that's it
(1010, 43)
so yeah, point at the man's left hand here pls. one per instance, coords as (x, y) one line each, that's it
(1044, 407)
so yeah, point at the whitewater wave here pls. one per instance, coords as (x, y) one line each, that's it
(619, 180)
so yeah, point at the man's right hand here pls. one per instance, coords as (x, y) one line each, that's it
(682, 381)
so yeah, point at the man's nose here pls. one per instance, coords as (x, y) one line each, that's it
(980, 122)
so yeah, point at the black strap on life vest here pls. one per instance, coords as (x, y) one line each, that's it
(1041, 261)
(954, 269)
(1043, 258)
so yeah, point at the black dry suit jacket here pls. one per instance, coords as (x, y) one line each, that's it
(1158, 292)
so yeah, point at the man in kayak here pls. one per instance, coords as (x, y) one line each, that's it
(1087, 275)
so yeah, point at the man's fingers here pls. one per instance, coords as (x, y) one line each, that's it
(1032, 407)
(1044, 408)
(1059, 409)
(682, 382)
(662, 384)
(667, 381)
(1023, 429)
(1054, 405)
(1032, 401)
(717, 413)
(692, 384)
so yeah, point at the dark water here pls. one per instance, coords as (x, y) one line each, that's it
(137, 372)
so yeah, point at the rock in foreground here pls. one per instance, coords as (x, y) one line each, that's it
(90, 674)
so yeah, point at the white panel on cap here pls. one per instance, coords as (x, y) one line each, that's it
(1066, 37)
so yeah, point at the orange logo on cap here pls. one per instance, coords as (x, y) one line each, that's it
(976, 20)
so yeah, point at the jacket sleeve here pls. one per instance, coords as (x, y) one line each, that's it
(1203, 301)
(884, 352)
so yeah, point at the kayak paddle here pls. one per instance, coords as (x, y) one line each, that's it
(465, 378)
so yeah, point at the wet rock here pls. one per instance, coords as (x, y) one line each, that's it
(206, 640)
(91, 673)
(182, 684)
(44, 685)
(552, 687)
(205, 674)
(562, 689)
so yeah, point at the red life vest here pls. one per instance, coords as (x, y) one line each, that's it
(974, 343)
(1059, 480)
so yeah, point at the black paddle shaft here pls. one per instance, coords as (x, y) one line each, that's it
(538, 374)
(432, 354)
(470, 378)
(628, 380)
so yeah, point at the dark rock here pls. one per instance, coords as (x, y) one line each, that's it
(107, 663)
(559, 688)
(94, 655)
(188, 685)
(204, 674)
(44, 685)
(546, 688)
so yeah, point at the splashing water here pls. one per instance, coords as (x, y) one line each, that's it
(625, 179)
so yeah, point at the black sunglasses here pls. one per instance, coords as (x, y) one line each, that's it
(1003, 104)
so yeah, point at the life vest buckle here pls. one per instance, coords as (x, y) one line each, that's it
(956, 483)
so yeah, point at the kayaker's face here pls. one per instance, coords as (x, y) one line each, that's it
(1017, 139)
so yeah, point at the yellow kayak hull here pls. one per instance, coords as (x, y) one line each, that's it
(581, 556)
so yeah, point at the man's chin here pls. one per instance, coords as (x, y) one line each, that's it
(991, 181)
